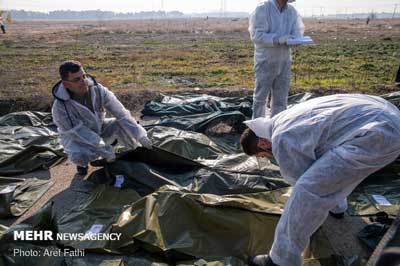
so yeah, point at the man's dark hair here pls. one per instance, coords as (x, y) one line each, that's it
(249, 142)
(67, 67)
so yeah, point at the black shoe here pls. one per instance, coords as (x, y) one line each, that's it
(261, 260)
(82, 170)
(339, 215)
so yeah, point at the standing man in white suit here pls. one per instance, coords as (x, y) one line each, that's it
(272, 24)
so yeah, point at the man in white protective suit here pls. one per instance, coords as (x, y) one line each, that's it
(79, 113)
(324, 147)
(271, 25)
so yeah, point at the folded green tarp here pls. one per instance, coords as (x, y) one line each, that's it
(27, 119)
(232, 121)
(189, 104)
(147, 170)
(378, 193)
(101, 210)
(171, 226)
(17, 195)
(191, 145)
(215, 152)
(28, 141)
(177, 222)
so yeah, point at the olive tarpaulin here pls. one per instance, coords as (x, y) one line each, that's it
(194, 199)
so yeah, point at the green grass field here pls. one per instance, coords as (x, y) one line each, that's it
(137, 56)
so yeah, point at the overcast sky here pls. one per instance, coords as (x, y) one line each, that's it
(306, 7)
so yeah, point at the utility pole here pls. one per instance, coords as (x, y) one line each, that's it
(394, 11)
(223, 7)
(162, 11)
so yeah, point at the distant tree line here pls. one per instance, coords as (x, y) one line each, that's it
(109, 15)
(91, 15)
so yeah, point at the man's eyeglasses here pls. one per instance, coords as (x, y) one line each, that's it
(78, 79)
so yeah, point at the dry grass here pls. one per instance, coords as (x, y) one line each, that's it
(138, 58)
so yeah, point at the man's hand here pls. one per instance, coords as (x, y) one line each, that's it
(103, 161)
(283, 40)
(146, 142)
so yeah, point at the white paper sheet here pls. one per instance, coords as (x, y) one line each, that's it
(95, 229)
(381, 200)
(299, 41)
(119, 180)
(8, 189)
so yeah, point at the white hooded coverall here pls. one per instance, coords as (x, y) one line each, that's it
(325, 147)
(272, 62)
(87, 135)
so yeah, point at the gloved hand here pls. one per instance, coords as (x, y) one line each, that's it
(146, 142)
(283, 40)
